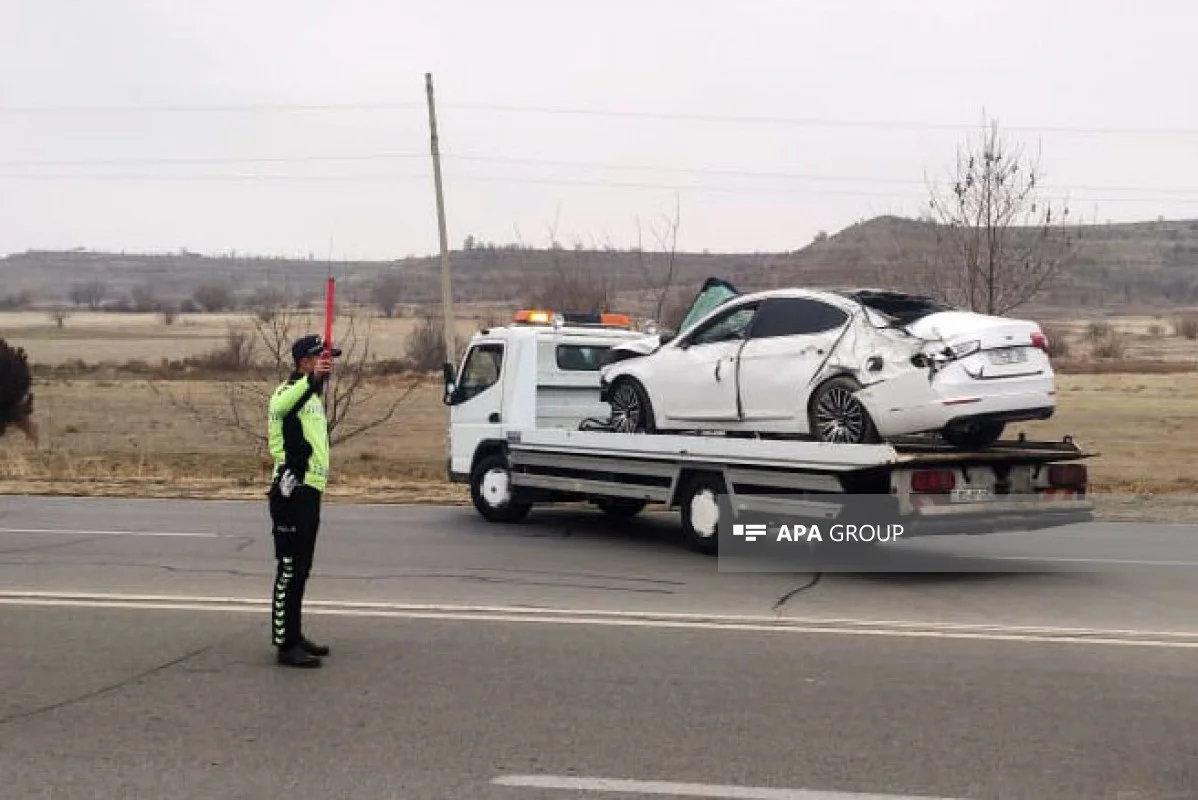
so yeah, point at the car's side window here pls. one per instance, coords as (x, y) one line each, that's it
(481, 371)
(796, 316)
(730, 326)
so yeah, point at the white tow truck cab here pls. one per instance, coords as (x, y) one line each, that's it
(527, 426)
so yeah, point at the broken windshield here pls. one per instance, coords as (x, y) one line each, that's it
(902, 309)
(715, 293)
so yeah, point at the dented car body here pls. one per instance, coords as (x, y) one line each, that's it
(855, 366)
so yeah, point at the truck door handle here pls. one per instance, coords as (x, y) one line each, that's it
(494, 417)
(717, 369)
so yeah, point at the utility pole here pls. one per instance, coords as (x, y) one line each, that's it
(446, 290)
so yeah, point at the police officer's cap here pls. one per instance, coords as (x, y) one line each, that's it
(311, 345)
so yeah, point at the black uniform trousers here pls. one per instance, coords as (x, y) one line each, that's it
(295, 521)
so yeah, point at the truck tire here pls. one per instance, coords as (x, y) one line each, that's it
(621, 509)
(974, 435)
(492, 492)
(701, 511)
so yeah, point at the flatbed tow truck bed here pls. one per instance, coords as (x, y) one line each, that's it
(929, 489)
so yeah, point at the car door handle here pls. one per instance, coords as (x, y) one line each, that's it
(717, 369)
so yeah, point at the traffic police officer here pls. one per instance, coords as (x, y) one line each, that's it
(299, 444)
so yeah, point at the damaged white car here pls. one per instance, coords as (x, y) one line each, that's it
(855, 367)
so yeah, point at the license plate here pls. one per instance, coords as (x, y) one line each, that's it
(971, 495)
(1010, 355)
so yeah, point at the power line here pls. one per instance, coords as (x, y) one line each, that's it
(590, 112)
(375, 157)
(387, 178)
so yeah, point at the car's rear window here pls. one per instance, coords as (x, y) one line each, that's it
(902, 308)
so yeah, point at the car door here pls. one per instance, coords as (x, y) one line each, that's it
(788, 344)
(695, 378)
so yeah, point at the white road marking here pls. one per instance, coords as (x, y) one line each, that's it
(612, 785)
(1067, 560)
(71, 532)
(632, 619)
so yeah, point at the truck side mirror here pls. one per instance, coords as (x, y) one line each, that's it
(451, 389)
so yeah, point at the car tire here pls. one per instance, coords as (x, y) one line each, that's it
(621, 509)
(631, 411)
(701, 511)
(974, 435)
(835, 415)
(492, 493)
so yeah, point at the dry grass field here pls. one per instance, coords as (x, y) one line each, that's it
(108, 433)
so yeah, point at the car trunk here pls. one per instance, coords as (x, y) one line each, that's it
(1003, 343)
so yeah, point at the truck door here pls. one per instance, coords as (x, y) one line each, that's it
(477, 402)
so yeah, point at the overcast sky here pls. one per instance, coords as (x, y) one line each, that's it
(767, 121)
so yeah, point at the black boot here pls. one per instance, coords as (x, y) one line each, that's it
(312, 648)
(297, 656)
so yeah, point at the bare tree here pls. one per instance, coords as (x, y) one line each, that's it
(387, 292)
(667, 240)
(426, 344)
(999, 242)
(88, 293)
(576, 281)
(59, 316)
(267, 346)
(213, 297)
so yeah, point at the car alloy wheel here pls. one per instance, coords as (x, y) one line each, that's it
(628, 411)
(839, 416)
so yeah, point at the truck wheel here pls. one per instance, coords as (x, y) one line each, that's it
(701, 513)
(621, 509)
(492, 491)
(974, 435)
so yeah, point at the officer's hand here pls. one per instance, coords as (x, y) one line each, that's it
(324, 366)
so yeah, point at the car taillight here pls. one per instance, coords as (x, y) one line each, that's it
(1040, 341)
(1067, 476)
(933, 480)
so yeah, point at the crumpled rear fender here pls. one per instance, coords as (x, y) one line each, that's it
(903, 404)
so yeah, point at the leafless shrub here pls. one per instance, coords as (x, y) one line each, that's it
(59, 316)
(1099, 330)
(213, 297)
(1113, 346)
(387, 292)
(1058, 342)
(1186, 326)
(88, 293)
(425, 350)
(266, 349)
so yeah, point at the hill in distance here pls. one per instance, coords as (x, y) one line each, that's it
(1121, 266)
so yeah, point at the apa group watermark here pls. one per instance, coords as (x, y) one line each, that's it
(837, 533)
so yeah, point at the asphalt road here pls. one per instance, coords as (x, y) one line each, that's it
(570, 657)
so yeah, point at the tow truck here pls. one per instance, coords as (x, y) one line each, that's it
(527, 427)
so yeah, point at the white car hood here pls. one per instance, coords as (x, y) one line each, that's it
(641, 347)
